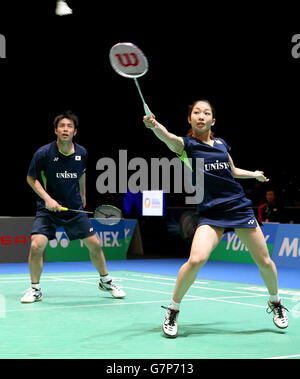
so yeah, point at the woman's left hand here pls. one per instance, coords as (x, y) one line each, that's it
(259, 175)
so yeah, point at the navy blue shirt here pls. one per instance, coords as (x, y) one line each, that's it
(220, 188)
(59, 174)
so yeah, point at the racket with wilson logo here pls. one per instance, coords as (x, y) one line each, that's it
(129, 61)
(104, 214)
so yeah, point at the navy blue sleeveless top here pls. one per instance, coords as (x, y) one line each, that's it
(220, 188)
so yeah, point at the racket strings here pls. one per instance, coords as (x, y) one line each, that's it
(107, 214)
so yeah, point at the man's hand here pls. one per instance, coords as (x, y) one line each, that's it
(52, 205)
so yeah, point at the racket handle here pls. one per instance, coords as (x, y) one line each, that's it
(75, 210)
(147, 110)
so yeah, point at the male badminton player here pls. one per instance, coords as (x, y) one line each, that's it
(224, 207)
(62, 8)
(57, 174)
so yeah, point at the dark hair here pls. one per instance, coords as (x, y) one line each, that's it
(67, 114)
(190, 109)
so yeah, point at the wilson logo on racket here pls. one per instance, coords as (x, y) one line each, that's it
(125, 59)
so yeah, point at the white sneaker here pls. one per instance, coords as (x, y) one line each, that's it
(32, 295)
(62, 9)
(280, 317)
(170, 323)
(112, 288)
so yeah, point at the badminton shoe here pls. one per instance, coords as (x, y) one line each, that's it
(62, 9)
(111, 287)
(170, 323)
(280, 317)
(32, 295)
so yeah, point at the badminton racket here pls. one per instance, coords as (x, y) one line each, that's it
(104, 214)
(129, 61)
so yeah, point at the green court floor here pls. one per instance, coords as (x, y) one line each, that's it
(76, 320)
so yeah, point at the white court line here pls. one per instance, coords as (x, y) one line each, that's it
(253, 293)
(162, 278)
(84, 279)
(120, 303)
(166, 284)
(190, 298)
(200, 298)
(284, 357)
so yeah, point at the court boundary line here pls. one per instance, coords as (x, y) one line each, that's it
(284, 357)
(84, 279)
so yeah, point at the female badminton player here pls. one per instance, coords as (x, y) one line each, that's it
(224, 207)
(57, 175)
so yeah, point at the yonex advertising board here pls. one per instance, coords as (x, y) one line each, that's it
(114, 239)
(231, 248)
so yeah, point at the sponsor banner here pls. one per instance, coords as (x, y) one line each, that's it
(129, 228)
(15, 239)
(114, 239)
(286, 250)
(231, 248)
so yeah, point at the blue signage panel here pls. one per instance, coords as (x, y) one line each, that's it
(286, 251)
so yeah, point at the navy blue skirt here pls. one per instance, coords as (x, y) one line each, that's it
(231, 215)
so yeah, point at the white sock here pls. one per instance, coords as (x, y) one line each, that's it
(105, 278)
(36, 286)
(174, 305)
(274, 298)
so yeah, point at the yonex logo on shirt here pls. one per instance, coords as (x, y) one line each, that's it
(66, 175)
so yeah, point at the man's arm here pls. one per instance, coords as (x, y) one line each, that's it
(50, 203)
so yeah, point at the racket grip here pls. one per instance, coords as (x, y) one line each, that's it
(147, 110)
(64, 209)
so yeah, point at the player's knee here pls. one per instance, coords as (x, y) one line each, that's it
(265, 263)
(95, 248)
(197, 261)
(37, 247)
